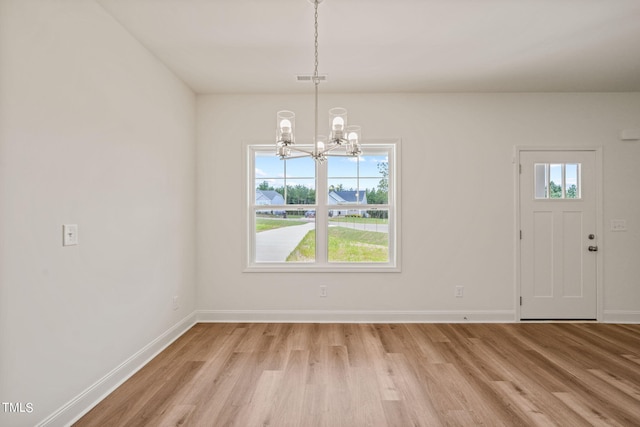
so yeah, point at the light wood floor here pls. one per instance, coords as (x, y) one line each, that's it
(561, 374)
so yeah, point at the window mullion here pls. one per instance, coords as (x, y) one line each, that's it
(322, 216)
(564, 181)
(286, 196)
(548, 180)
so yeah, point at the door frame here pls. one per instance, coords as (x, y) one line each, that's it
(599, 191)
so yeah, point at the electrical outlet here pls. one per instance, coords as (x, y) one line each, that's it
(459, 291)
(176, 302)
(323, 291)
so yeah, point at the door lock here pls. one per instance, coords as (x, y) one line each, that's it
(592, 236)
(593, 249)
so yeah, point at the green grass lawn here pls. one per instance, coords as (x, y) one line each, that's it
(263, 224)
(345, 245)
(358, 220)
(306, 249)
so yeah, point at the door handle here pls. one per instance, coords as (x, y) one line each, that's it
(593, 249)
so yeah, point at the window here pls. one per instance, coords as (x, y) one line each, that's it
(557, 181)
(338, 215)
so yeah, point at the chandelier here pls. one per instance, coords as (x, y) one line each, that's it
(344, 140)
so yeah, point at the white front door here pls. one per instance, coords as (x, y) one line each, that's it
(558, 242)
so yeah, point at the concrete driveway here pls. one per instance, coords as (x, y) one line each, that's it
(276, 245)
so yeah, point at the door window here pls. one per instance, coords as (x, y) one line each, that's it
(557, 181)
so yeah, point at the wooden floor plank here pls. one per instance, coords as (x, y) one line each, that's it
(176, 416)
(591, 415)
(516, 395)
(572, 365)
(331, 375)
(541, 383)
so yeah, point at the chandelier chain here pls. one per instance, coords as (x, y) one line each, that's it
(340, 135)
(316, 79)
(315, 73)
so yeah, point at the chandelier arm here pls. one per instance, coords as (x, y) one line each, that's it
(311, 153)
(302, 156)
(340, 155)
(330, 148)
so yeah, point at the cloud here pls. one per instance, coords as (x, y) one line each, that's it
(261, 174)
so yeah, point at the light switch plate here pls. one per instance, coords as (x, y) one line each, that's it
(618, 225)
(69, 234)
(630, 135)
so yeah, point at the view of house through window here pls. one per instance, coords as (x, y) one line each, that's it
(336, 213)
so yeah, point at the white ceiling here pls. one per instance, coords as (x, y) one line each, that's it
(259, 46)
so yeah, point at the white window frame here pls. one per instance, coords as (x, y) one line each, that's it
(322, 207)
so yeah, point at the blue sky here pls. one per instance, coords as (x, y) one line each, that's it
(341, 170)
(555, 174)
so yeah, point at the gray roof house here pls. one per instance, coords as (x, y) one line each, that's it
(269, 197)
(349, 197)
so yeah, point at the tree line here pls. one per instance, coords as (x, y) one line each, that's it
(555, 191)
(302, 195)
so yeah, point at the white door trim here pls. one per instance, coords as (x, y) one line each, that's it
(599, 221)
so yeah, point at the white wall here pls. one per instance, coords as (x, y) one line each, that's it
(94, 131)
(458, 211)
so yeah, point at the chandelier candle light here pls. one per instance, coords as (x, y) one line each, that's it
(341, 134)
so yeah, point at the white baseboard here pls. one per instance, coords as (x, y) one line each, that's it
(621, 316)
(355, 316)
(82, 403)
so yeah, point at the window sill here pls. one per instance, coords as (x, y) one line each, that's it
(288, 268)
